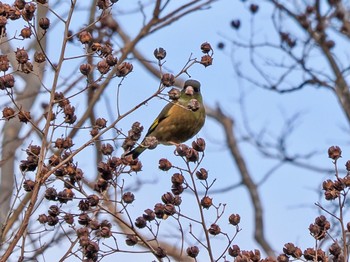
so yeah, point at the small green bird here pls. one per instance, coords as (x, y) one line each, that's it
(179, 120)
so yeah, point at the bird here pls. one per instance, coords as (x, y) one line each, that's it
(178, 121)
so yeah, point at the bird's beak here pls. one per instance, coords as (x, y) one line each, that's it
(189, 90)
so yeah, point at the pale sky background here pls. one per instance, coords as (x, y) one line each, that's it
(288, 195)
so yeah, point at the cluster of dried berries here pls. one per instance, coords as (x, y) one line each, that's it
(105, 51)
(134, 135)
(334, 188)
(100, 123)
(191, 153)
(68, 109)
(336, 252)
(31, 162)
(207, 59)
(319, 229)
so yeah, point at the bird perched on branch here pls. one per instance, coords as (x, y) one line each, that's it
(179, 120)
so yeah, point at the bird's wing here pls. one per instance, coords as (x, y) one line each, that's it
(162, 115)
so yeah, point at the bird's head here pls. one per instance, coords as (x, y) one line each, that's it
(192, 87)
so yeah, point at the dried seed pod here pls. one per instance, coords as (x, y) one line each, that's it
(85, 69)
(140, 222)
(69, 219)
(107, 149)
(206, 202)
(123, 69)
(192, 155)
(164, 164)
(96, 47)
(85, 37)
(214, 229)
(128, 197)
(42, 219)
(84, 219)
(103, 67)
(106, 50)
(51, 194)
(234, 251)
(39, 57)
(4, 63)
(24, 116)
(199, 145)
(149, 215)
(8, 113)
(159, 53)
(168, 80)
(334, 152)
(193, 105)
(177, 179)
(100, 123)
(26, 32)
(54, 211)
(174, 94)
(28, 185)
(44, 23)
(168, 198)
(111, 60)
(21, 56)
(206, 60)
(234, 219)
(206, 48)
(131, 240)
(93, 200)
(52, 221)
(7, 81)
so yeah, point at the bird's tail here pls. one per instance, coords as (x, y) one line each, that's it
(136, 152)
